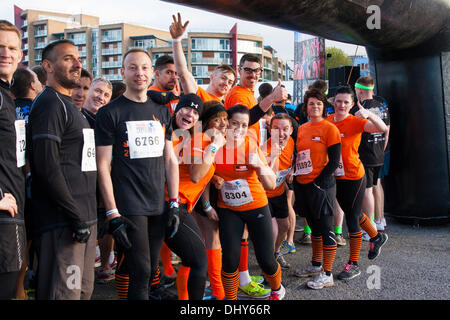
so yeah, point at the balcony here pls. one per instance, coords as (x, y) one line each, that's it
(38, 58)
(25, 46)
(111, 39)
(25, 24)
(82, 53)
(112, 77)
(78, 41)
(111, 64)
(25, 59)
(40, 33)
(209, 61)
(40, 45)
(25, 35)
(111, 51)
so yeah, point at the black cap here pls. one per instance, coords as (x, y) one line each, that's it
(190, 100)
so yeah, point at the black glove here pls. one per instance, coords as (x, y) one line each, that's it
(81, 233)
(173, 220)
(118, 227)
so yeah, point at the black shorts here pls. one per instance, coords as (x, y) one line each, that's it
(372, 174)
(279, 207)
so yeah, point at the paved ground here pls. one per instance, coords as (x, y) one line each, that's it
(413, 265)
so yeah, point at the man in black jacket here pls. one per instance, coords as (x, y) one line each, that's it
(12, 159)
(63, 167)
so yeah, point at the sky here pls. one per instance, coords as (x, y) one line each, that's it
(158, 14)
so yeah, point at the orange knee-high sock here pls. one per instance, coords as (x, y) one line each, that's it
(329, 253)
(214, 269)
(168, 269)
(274, 280)
(367, 226)
(122, 281)
(182, 280)
(355, 246)
(317, 249)
(243, 262)
(156, 279)
(230, 284)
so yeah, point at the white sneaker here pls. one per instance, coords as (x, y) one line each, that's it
(365, 236)
(380, 226)
(321, 281)
(278, 295)
(308, 271)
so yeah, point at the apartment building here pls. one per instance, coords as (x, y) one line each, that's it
(102, 46)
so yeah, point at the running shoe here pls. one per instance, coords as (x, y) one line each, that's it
(174, 259)
(161, 293)
(278, 295)
(283, 263)
(340, 241)
(380, 226)
(98, 262)
(350, 271)
(287, 248)
(376, 244)
(105, 275)
(365, 236)
(308, 271)
(253, 291)
(168, 281)
(321, 281)
(306, 239)
(257, 279)
(113, 265)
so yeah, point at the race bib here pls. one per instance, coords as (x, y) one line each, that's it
(88, 162)
(145, 139)
(340, 169)
(20, 142)
(236, 193)
(281, 176)
(303, 164)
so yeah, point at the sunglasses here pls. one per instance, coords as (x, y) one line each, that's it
(250, 70)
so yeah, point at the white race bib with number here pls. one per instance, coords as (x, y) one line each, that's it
(236, 193)
(303, 164)
(281, 176)
(145, 139)
(88, 162)
(340, 169)
(20, 142)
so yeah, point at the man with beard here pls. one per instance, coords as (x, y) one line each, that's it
(63, 166)
(166, 79)
(12, 159)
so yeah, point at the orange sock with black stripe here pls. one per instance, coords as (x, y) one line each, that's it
(168, 269)
(214, 272)
(317, 249)
(274, 280)
(122, 282)
(230, 284)
(182, 280)
(329, 253)
(243, 262)
(367, 226)
(355, 246)
(156, 279)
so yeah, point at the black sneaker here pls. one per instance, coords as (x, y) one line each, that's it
(168, 281)
(350, 271)
(283, 263)
(161, 293)
(376, 244)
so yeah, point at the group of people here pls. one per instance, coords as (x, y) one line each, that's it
(163, 166)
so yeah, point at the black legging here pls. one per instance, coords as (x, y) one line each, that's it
(259, 224)
(350, 195)
(8, 282)
(189, 246)
(142, 257)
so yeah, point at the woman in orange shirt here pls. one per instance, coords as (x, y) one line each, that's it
(351, 179)
(318, 153)
(243, 201)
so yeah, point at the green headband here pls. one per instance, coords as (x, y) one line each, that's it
(360, 86)
(326, 92)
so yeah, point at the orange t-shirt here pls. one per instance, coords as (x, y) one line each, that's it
(242, 189)
(188, 191)
(206, 96)
(171, 105)
(351, 129)
(246, 97)
(284, 166)
(313, 140)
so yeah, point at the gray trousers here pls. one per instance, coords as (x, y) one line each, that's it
(65, 268)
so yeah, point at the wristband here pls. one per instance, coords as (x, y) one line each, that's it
(208, 209)
(176, 40)
(173, 203)
(213, 147)
(112, 211)
(206, 204)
